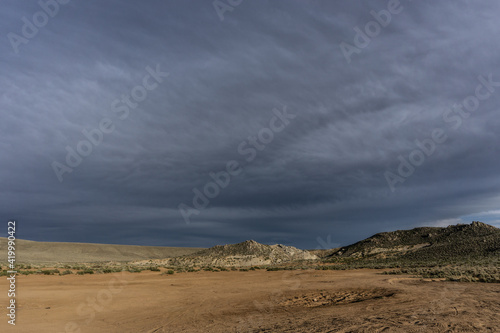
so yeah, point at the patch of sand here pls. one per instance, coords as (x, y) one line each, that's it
(253, 301)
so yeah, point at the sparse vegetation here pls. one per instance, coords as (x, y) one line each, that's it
(107, 270)
(466, 253)
(134, 269)
(454, 273)
(85, 271)
(50, 271)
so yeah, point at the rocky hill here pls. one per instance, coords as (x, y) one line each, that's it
(247, 253)
(462, 240)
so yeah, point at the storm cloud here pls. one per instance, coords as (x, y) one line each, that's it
(357, 155)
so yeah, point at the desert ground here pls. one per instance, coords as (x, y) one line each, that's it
(362, 300)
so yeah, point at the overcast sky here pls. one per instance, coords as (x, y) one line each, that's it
(313, 106)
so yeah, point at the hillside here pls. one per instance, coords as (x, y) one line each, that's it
(475, 240)
(462, 241)
(55, 252)
(247, 253)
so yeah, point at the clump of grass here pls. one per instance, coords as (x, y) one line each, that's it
(154, 269)
(85, 271)
(66, 272)
(134, 269)
(272, 269)
(49, 271)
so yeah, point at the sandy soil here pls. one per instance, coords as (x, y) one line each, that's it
(254, 301)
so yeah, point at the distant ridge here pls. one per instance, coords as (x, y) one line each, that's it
(58, 252)
(462, 240)
(247, 253)
(475, 240)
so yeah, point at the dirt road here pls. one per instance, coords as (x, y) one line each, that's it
(254, 301)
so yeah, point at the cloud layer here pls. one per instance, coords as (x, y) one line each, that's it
(323, 174)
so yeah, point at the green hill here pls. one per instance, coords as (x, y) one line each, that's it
(475, 240)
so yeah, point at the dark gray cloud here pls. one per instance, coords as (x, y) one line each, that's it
(323, 174)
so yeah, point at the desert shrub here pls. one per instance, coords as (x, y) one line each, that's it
(85, 271)
(459, 273)
(170, 272)
(243, 269)
(154, 269)
(49, 271)
(107, 270)
(272, 269)
(134, 269)
(66, 272)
